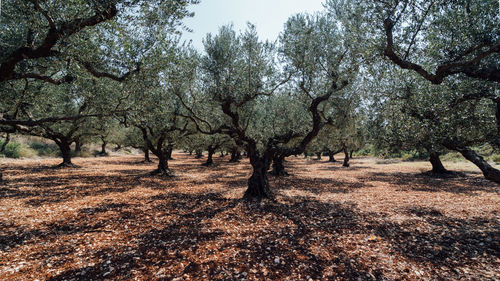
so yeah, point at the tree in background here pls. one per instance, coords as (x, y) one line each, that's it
(443, 42)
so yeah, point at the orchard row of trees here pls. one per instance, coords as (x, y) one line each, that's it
(396, 74)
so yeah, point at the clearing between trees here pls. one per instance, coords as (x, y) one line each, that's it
(109, 219)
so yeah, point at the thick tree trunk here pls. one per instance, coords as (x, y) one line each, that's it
(437, 165)
(318, 155)
(350, 154)
(6, 141)
(278, 166)
(489, 172)
(331, 156)
(258, 184)
(235, 156)
(65, 148)
(305, 155)
(210, 161)
(162, 169)
(346, 158)
(170, 148)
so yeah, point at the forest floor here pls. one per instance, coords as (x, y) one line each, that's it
(108, 219)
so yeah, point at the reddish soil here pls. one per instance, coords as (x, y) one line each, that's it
(108, 219)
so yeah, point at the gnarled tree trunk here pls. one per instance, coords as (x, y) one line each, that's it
(65, 148)
(278, 166)
(437, 165)
(258, 184)
(331, 157)
(346, 158)
(210, 161)
(489, 172)
(235, 156)
(318, 155)
(162, 169)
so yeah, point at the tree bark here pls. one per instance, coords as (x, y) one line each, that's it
(211, 152)
(278, 166)
(170, 148)
(489, 172)
(318, 154)
(258, 184)
(437, 165)
(350, 154)
(235, 156)
(65, 148)
(162, 169)
(331, 156)
(346, 158)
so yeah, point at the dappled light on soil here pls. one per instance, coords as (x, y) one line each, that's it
(109, 219)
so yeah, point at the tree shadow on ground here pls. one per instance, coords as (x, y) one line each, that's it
(443, 241)
(179, 248)
(316, 185)
(37, 190)
(419, 182)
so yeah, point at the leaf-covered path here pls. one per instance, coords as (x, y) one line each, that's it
(108, 219)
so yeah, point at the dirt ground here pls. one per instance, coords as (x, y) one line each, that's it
(108, 219)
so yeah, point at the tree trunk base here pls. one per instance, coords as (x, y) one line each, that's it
(443, 174)
(258, 186)
(206, 164)
(164, 173)
(65, 165)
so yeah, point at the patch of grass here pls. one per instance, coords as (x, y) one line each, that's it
(495, 158)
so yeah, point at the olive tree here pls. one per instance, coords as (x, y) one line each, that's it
(444, 42)
(243, 82)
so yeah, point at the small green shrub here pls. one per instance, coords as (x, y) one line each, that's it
(45, 149)
(17, 150)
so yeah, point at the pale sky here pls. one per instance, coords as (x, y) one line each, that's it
(269, 16)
